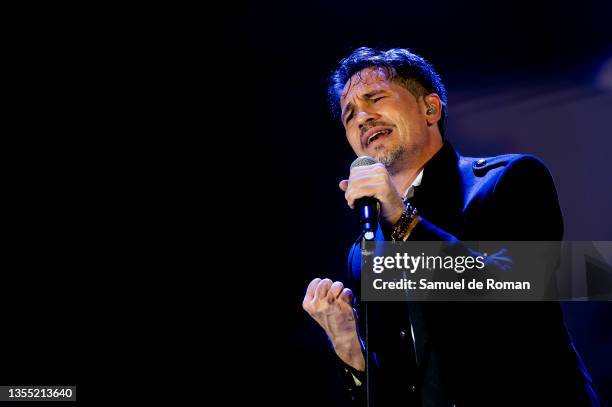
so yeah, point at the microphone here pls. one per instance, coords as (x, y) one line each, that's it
(367, 207)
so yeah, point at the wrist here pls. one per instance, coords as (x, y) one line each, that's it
(350, 351)
(392, 220)
(345, 343)
(388, 223)
(407, 221)
(415, 222)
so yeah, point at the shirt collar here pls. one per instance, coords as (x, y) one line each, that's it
(410, 191)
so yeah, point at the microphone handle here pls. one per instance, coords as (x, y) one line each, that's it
(367, 210)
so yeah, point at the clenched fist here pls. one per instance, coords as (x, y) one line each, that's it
(330, 304)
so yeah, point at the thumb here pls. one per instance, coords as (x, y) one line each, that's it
(343, 184)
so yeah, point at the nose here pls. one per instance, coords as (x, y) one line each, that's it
(364, 116)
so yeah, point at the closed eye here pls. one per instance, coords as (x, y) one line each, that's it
(349, 117)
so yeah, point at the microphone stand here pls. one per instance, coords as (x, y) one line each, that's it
(369, 209)
(366, 238)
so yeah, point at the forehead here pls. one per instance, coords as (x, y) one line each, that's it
(364, 81)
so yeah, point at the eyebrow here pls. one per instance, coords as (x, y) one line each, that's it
(368, 95)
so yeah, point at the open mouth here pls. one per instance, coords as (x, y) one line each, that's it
(376, 135)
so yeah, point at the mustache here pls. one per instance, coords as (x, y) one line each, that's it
(370, 125)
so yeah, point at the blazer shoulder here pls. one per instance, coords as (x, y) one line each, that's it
(481, 166)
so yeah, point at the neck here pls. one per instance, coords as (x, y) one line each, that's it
(403, 178)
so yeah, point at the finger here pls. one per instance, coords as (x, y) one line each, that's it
(380, 168)
(363, 168)
(369, 190)
(322, 288)
(350, 201)
(368, 185)
(343, 184)
(347, 296)
(310, 291)
(357, 179)
(334, 291)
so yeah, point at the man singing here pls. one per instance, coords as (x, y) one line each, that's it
(393, 107)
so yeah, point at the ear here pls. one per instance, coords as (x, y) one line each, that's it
(433, 108)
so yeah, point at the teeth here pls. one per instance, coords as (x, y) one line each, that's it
(375, 135)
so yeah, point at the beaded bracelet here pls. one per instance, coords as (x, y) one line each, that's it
(402, 225)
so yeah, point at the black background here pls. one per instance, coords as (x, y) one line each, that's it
(112, 155)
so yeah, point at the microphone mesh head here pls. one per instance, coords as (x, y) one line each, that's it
(363, 160)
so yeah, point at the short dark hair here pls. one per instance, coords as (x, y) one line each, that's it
(406, 68)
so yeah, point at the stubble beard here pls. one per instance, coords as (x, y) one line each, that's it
(392, 158)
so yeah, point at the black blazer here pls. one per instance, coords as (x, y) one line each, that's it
(469, 353)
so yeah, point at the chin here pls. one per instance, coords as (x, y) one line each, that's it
(382, 153)
(389, 157)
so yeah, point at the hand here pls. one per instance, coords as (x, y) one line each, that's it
(330, 304)
(374, 181)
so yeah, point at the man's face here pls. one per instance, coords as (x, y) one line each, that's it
(383, 119)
